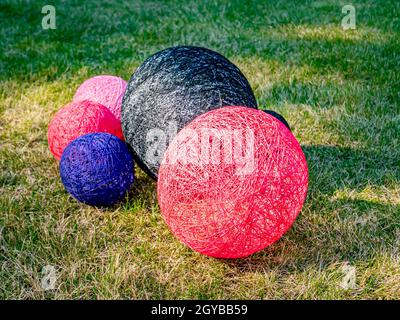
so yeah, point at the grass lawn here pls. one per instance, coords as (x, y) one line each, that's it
(339, 90)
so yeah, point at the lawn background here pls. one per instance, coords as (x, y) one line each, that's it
(339, 90)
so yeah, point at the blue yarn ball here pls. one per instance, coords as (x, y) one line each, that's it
(97, 169)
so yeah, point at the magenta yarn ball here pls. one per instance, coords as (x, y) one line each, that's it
(104, 89)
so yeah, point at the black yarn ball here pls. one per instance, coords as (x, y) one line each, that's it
(279, 117)
(169, 90)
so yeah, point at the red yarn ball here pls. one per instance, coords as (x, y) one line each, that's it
(79, 118)
(232, 182)
(104, 89)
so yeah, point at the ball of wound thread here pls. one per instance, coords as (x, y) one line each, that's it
(97, 169)
(169, 90)
(279, 117)
(104, 89)
(76, 119)
(232, 182)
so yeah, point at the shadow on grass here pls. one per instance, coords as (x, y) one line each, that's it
(143, 194)
(354, 59)
(331, 229)
(102, 43)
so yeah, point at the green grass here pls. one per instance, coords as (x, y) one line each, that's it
(339, 90)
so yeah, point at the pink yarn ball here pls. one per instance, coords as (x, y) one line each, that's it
(232, 182)
(107, 90)
(79, 118)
